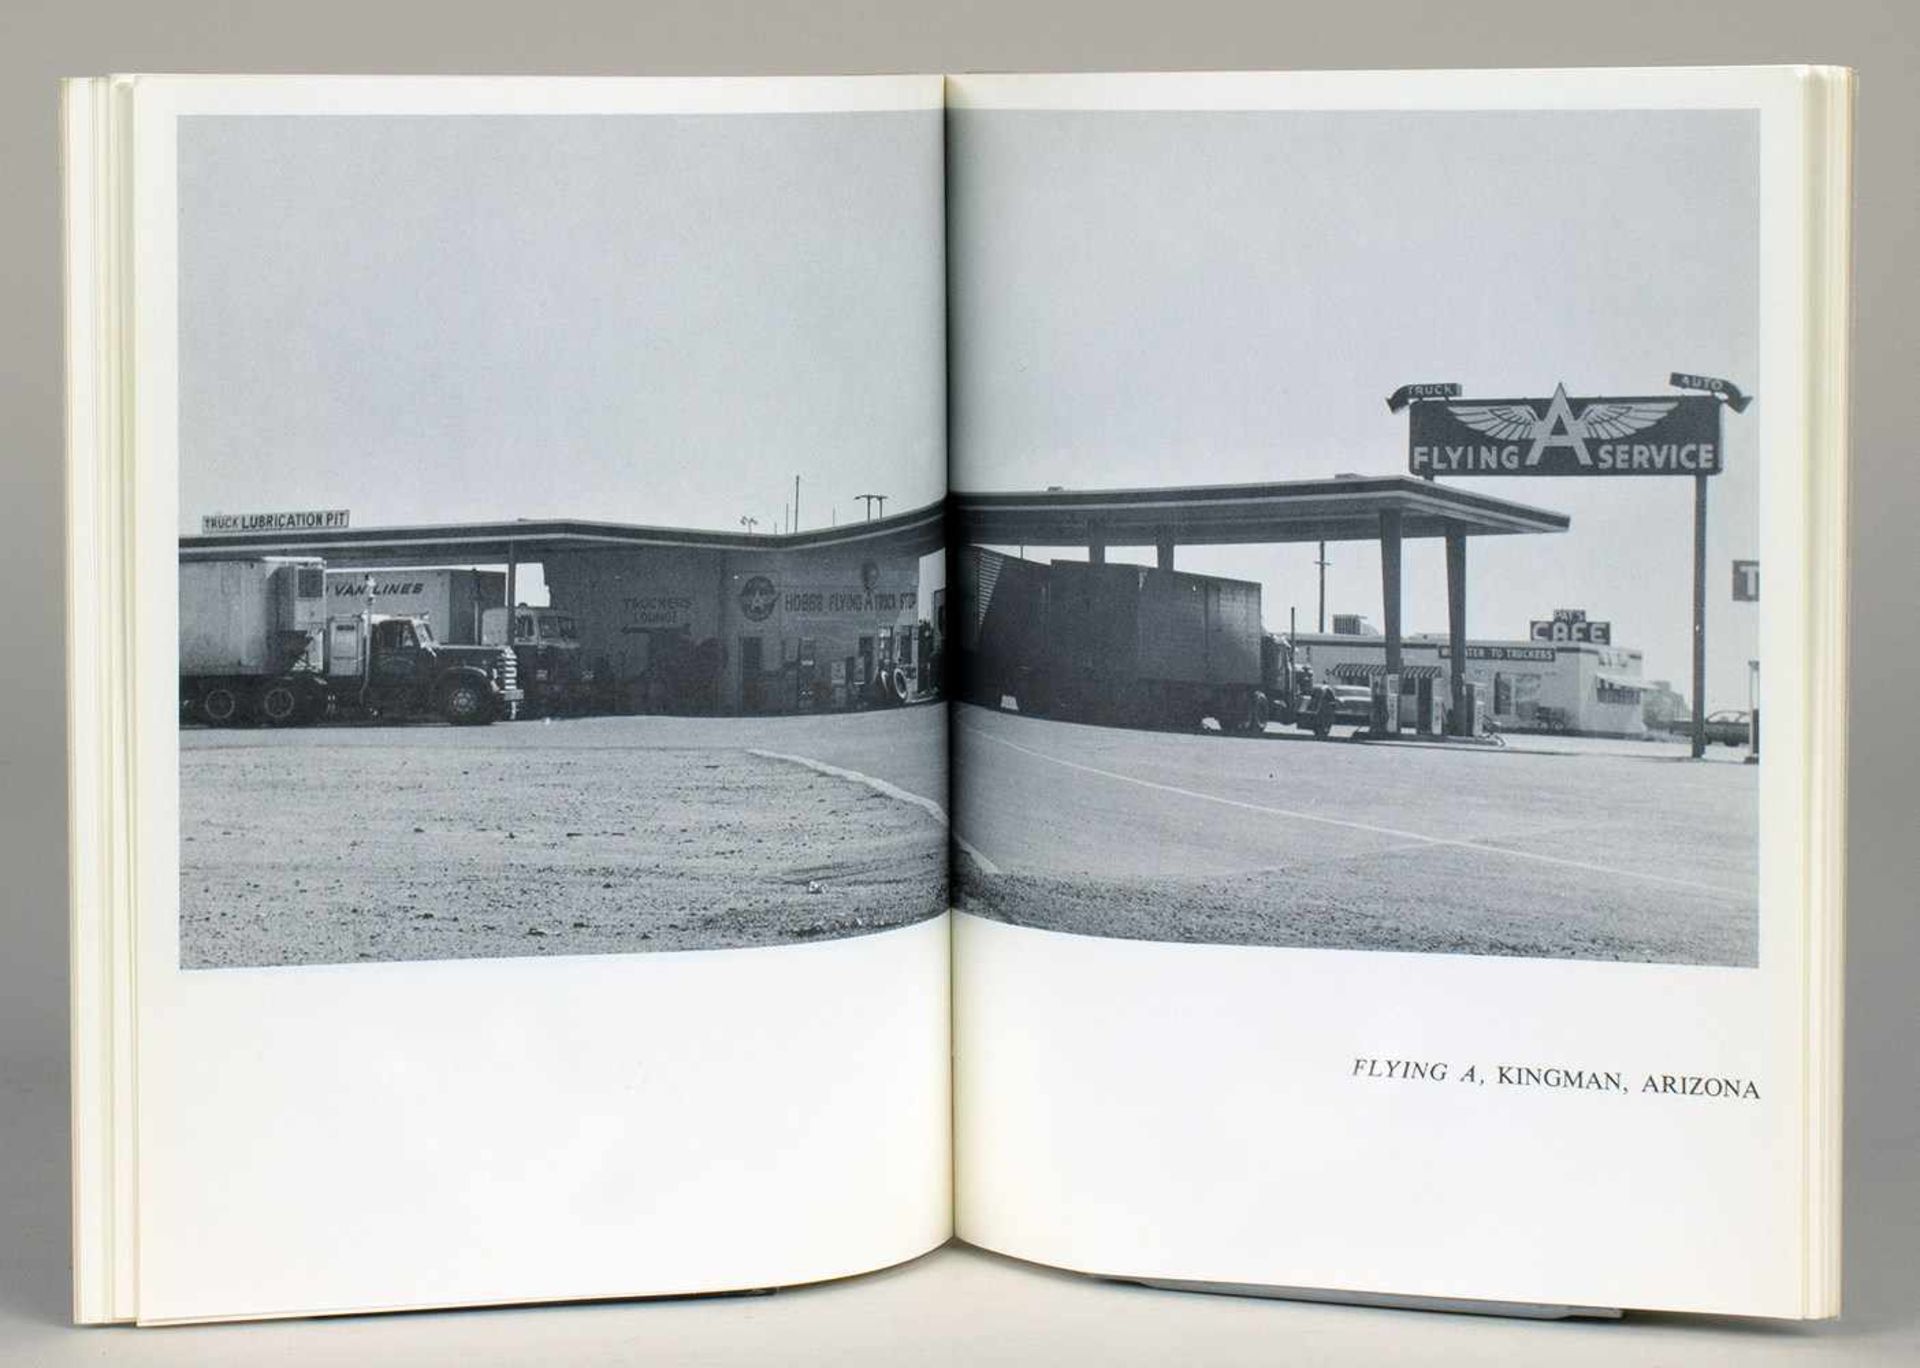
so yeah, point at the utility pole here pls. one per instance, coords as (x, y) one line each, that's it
(870, 500)
(1323, 563)
(796, 503)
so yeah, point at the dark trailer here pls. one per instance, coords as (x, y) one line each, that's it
(1133, 646)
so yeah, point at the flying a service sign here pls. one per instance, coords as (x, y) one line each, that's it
(1676, 434)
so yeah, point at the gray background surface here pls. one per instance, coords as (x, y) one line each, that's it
(640, 273)
(958, 1306)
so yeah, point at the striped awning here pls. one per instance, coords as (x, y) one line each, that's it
(1354, 672)
(1613, 681)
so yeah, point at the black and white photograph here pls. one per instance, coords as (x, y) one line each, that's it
(561, 560)
(1357, 524)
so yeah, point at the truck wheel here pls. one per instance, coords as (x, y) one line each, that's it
(464, 704)
(219, 706)
(278, 704)
(900, 690)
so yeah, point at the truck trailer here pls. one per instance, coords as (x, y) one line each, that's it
(1135, 646)
(452, 600)
(260, 641)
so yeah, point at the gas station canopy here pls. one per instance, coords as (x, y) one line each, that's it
(1345, 508)
(918, 531)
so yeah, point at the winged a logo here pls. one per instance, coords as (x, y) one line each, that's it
(757, 598)
(1559, 426)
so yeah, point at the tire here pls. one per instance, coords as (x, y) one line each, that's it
(278, 704)
(219, 706)
(899, 682)
(465, 704)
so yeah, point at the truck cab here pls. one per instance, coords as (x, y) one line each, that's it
(907, 664)
(387, 664)
(1289, 693)
(546, 647)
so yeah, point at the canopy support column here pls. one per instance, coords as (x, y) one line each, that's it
(1390, 585)
(1460, 715)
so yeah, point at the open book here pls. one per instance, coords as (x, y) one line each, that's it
(685, 685)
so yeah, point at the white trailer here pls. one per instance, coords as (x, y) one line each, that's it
(249, 618)
(453, 601)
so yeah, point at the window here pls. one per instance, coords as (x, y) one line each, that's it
(395, 634)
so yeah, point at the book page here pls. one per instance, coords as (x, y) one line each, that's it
(542, 857)
(1362, 484)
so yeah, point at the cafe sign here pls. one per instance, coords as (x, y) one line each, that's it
(1572, 625)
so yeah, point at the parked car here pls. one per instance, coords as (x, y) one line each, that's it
(1730, 727)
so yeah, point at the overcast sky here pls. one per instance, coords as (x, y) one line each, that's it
(641, 318)
(1183, 298)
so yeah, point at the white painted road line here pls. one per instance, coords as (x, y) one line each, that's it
(881, 786)
(986, 866)
(1417, 838)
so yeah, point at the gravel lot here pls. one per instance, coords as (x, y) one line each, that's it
(1611, 853)
(333, 844)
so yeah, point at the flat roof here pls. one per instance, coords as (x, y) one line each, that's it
(917, 532)
(1438, 641)
(1345, 508)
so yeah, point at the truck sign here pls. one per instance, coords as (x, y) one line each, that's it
(299, 520)
(1562, 435)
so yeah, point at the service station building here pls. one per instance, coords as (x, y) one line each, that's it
(680, 620)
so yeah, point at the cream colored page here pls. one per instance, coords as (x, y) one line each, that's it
(1519, 1022)
(337, 1116)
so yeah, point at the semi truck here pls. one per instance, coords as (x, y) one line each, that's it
(464, 607)
(261, 641)
(1135, 646)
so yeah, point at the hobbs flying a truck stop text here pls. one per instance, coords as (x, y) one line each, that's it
(1636, 458)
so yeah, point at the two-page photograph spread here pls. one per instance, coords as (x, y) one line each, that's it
(688, 685)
